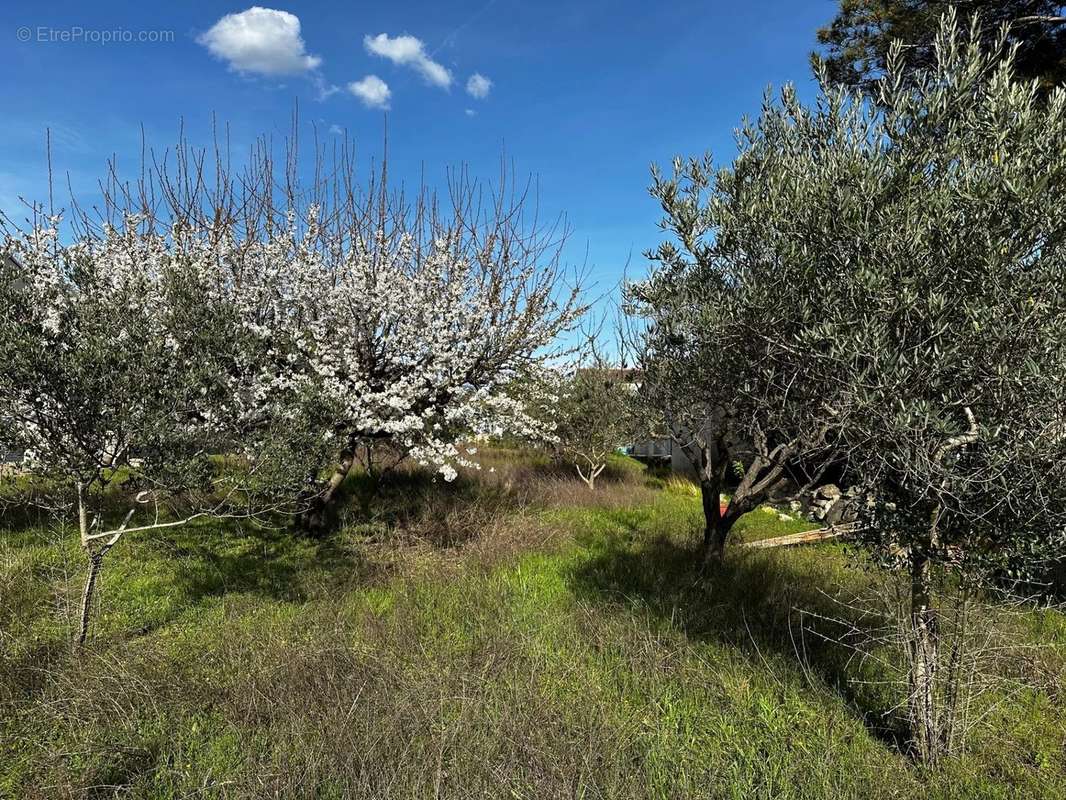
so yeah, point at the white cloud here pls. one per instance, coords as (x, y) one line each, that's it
(411, 52)
(478, 86)
(470, 112)
(336, 130)
(373, 91)
(260, 40)
(325, 90)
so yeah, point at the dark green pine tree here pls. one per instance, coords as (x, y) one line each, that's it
(854, 46)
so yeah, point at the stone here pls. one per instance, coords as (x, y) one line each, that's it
(835, 513)
(830, 491)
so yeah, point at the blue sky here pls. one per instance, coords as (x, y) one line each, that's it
(583, 94)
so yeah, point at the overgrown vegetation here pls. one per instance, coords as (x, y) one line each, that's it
(870, 288)
(561, 644)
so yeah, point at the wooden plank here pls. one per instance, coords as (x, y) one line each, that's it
(819, 535)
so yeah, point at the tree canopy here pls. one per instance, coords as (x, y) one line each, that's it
(237, 329)
(893, 276)
(855, 45)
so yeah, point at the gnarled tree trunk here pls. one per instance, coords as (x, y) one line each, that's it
(713, 457)
(313, 519)
(763, 476)
(718, 522)
(714, 533)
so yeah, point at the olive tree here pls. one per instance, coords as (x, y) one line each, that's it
(915, 247)
(956, 338)
(706, 352)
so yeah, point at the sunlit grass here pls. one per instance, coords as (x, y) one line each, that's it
(572, 650)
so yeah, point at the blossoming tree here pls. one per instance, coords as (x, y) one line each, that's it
(106, 379)
(406, 322)
(244, 315)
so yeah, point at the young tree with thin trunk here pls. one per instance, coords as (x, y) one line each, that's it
(952, 332)
(597, 414)
(105, 382)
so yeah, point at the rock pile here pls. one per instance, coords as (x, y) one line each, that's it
(830, 505)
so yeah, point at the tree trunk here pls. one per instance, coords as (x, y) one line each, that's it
(925, 712)
(95, 562)
(716, 524)
(594, 472)
(312, 520)
(713, 544)
(924, 654)
(712, 459)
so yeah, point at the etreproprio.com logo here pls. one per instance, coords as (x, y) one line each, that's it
(77, 34)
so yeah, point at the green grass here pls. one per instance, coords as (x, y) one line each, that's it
(569, 650)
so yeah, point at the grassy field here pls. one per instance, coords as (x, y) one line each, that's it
(510, 635)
